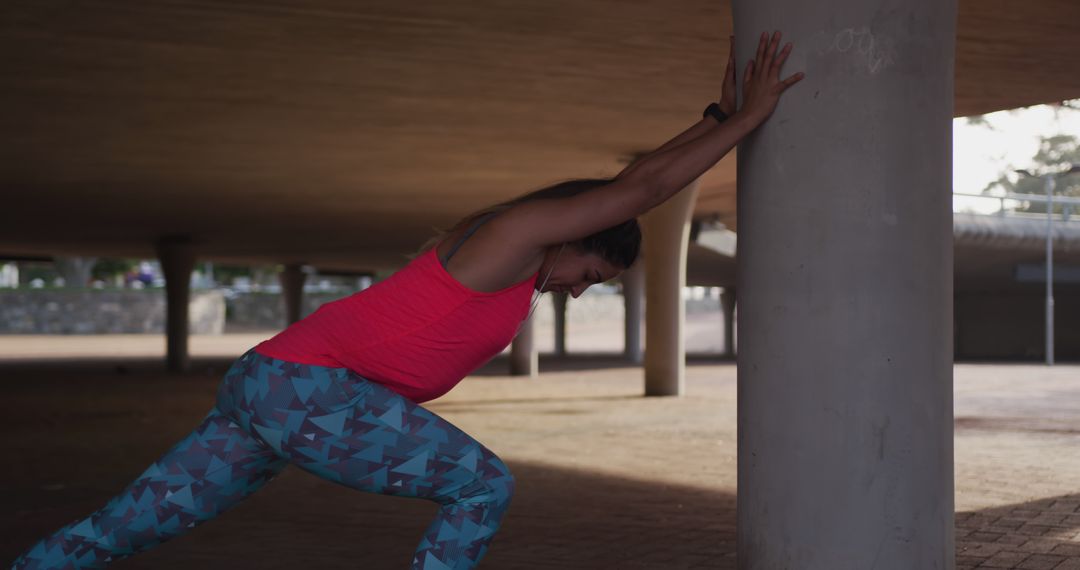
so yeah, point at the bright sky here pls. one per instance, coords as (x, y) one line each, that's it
(981, 154)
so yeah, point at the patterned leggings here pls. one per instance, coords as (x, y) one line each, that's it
(329, 421)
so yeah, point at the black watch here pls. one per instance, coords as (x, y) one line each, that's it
(714, 111)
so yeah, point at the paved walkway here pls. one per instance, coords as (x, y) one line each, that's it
(605, 478)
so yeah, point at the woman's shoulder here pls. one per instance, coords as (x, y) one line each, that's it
(490, 259)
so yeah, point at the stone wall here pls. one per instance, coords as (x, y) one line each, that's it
(92, 311)
(266, 311)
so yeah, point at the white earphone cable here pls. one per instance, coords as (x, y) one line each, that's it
(536, 299)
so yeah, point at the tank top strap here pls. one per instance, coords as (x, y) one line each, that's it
(472, 229)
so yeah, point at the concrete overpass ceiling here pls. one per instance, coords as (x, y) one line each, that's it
(1011, 54)
(338, 132)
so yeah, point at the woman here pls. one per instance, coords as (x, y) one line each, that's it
(337, 393)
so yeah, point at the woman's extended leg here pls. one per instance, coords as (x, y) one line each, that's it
(357, 433)
(208, 472)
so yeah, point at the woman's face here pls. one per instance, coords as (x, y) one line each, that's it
(574, 271)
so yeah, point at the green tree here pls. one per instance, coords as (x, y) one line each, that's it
(226, 273)
(1056, 154)
(107, 268)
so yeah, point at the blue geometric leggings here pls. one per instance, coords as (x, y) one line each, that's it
(329, 421)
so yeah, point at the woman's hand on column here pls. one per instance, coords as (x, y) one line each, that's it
(762, 85)
(727, 90)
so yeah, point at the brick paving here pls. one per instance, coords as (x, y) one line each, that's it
(1017, 467)
(605, 478)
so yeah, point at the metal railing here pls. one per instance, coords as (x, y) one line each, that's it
(1070, 206)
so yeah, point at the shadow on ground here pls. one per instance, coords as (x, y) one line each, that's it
(1036, 534)
(73, 433)
(77, 432)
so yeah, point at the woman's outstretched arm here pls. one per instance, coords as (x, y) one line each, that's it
(679, 165)
(660, 175)
(727, 106)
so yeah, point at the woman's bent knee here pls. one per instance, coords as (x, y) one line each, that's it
(493, 486)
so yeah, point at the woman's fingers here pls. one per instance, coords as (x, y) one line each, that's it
(770, 54)
(766, 66)
(780, 59)
(795, 78)
(766, 54)
(762, 44)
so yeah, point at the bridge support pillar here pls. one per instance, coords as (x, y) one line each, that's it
(524, 360)
(666, 236)
(845, 419)
(177, 258)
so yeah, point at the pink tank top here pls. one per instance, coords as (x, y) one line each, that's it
(419, 332)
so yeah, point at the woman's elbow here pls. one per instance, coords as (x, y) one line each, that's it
(652, 187)
(647, 189)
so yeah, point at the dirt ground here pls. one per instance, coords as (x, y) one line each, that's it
(605, 477)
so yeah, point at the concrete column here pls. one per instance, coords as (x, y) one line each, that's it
(665, 237)
(292, 279)
(633, 284)
(845, 446)
(727, 303)
(559, 302)
(524, 360)
(177, 258)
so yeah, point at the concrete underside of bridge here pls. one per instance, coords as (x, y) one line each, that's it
(337, 133)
